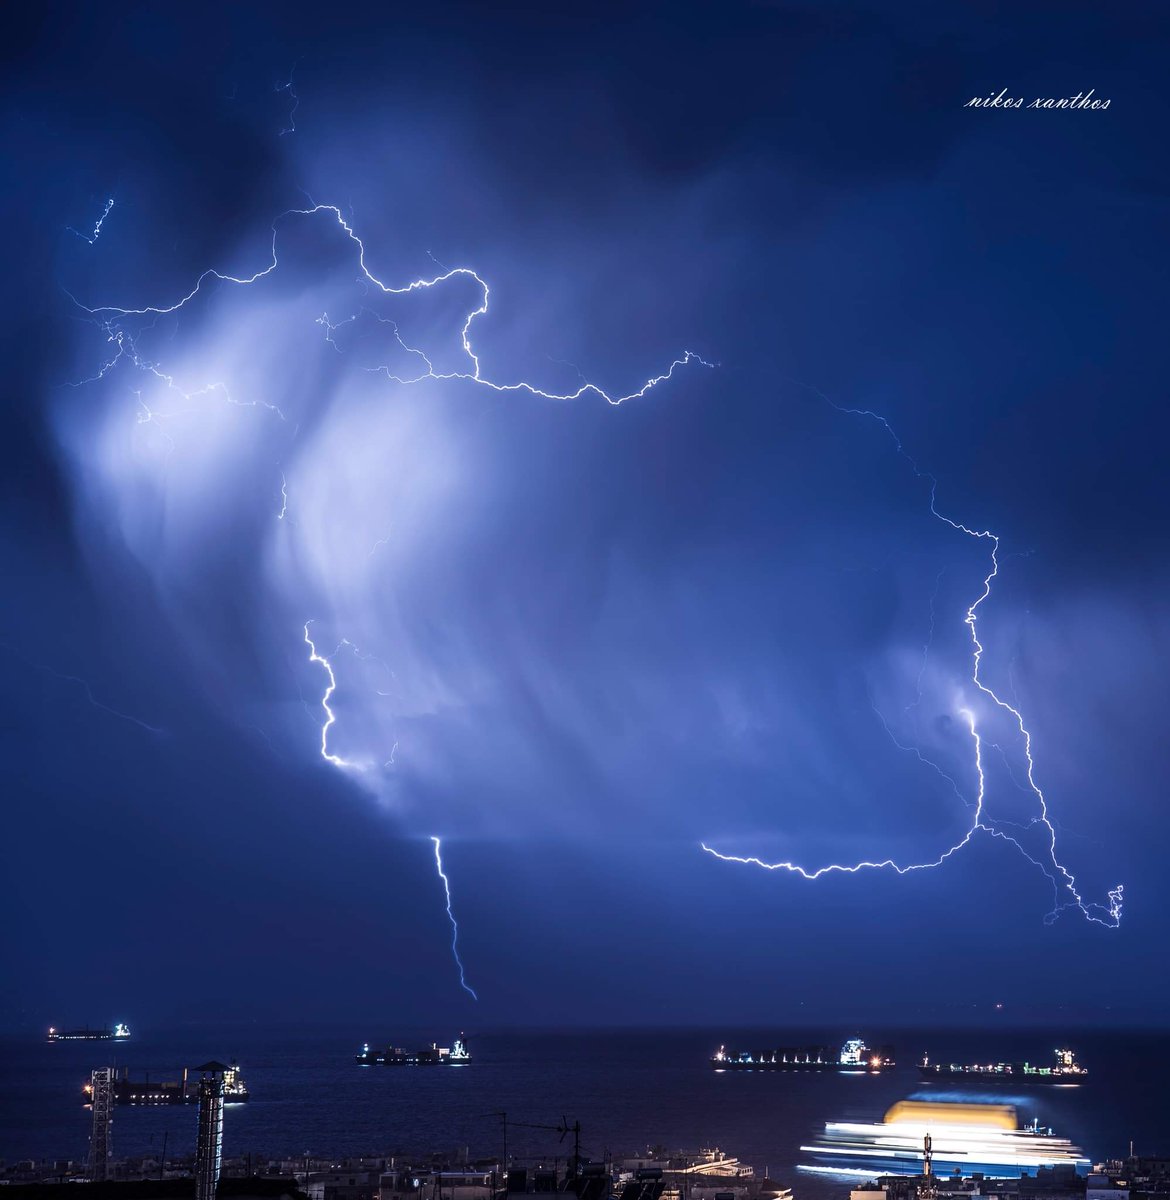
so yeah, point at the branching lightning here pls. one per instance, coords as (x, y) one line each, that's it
(111, 314)
(1065, 892)
(121, 323)
(114, 321)
(454, 924)
(123, 343)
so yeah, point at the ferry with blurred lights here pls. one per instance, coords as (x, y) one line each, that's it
(118, 1034)
(433, 1055)
(1065, 1070)
(855, 1055)
(964, 1138)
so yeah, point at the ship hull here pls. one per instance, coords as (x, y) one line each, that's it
(1014, 1075)
(410, 1060)
(854, 1057)
(86, 1035)
(769, 1065)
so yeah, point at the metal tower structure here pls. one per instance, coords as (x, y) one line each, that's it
(928, 1189)
(102, 1094)
(209, 1140)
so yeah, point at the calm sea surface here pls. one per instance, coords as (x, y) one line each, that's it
(629, 1090)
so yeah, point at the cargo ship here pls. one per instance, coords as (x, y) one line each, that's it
(964, 1138)
(1065, 1069)
(433, 1055)
(855, 1055)
(146, 1092)
(117, 1034)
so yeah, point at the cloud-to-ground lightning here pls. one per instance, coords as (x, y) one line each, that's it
(1065, 892)
(114, 320)
(119, 324)
(451, 917)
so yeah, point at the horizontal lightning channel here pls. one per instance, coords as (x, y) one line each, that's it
(474, 375)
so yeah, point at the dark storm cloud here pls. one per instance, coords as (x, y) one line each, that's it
(633, 627)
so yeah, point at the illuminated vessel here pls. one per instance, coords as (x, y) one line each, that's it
(433, 1055)
(1065, 1069)
(144, 1092)
(118, 1033)
(964, 1138)
(855, 1055)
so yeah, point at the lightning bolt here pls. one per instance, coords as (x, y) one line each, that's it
(1065, 892)
(292, 112)
(93, 236)
(454, 924)
(330, 688)
(110, 315)
(120, 326)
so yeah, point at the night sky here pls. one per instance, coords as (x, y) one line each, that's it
(572, 638)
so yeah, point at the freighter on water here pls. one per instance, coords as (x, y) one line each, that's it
(1065, 1069)
(433, 1055)
(855, 1055)
(118, 1033)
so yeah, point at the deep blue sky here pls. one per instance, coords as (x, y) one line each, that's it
(595, 635)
